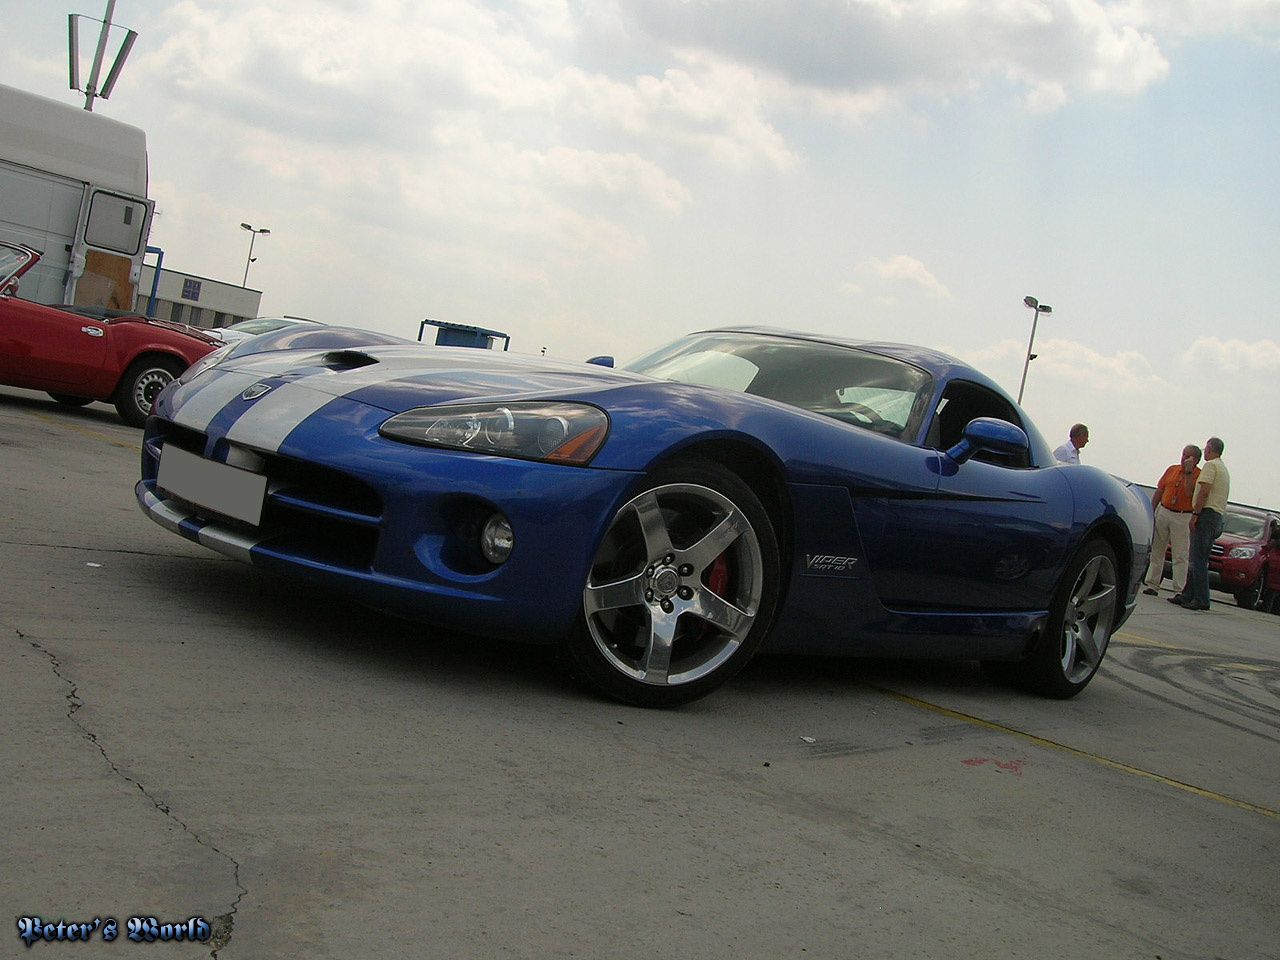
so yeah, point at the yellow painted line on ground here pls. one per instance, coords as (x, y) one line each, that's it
(1084, 754)
(87, 433)
(1147, 641)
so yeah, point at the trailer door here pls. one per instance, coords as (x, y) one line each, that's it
(107, 256)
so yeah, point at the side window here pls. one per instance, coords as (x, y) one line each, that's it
(964, 401)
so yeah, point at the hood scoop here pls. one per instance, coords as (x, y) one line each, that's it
(346, 360)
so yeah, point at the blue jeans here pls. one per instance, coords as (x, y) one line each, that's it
(1208, 528)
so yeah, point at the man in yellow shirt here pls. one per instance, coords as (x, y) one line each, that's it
(1208, 509)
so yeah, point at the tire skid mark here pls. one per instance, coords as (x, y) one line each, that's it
(1243, 687)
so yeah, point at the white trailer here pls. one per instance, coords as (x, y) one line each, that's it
(73, 185)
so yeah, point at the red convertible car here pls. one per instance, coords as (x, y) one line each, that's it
(78, 358)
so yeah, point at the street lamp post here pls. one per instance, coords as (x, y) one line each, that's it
(1039, 308)
(253, 235)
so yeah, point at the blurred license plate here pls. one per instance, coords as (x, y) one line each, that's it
(229, 491)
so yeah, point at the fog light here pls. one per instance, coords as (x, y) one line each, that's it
(496, 539)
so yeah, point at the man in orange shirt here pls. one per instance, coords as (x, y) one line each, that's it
(1172, 502)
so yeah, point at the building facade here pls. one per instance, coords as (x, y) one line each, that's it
(197, 301)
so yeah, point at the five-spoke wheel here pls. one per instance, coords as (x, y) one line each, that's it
(682, 589)
(1081, 619)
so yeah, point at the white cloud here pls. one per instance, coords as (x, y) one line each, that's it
(1126, 373)
(609, 172)
(907, 270)
(1212, 356)
(1182, 18)
(881, 51)
(1139, 418)
(711, 106)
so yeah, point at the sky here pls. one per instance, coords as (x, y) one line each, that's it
(602, 176)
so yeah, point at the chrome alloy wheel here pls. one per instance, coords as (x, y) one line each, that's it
(676, 585)
(1086, 624)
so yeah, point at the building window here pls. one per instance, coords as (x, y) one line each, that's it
(175, 312)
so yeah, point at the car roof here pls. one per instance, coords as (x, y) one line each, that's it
(284, 318)
(941, 365)
(1248, 511)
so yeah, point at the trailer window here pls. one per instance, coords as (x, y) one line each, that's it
(115, 223)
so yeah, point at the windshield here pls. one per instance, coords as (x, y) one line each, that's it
(1244, 527)
(260, 325)
(844, 383)
(12, 260)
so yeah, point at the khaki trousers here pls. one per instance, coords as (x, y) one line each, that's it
(1173, 531)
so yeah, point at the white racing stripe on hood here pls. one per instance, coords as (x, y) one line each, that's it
(271, 418)
(274, 416)
(223, 384)
(198, 410)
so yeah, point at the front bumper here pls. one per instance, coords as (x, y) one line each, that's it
(396, 527)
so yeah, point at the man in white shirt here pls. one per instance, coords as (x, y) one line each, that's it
(1069, 452)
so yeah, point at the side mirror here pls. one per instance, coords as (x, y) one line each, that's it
(602, 361)
(10, 288)
(988, 433)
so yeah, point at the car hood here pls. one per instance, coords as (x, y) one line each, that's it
(194, 333)
(1229, 540)
(400, 377)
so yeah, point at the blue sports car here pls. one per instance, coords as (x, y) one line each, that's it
(660, 523)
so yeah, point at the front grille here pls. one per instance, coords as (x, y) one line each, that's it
(319, 514)
(312, 513)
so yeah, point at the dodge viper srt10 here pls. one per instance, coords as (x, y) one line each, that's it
(659, 523)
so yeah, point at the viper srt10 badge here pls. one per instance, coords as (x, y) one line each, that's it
(828, 563)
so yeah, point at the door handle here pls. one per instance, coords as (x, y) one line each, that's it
(92, 331)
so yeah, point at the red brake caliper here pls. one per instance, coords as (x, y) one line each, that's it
(717, 578)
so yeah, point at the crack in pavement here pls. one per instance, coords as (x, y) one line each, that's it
(81, 548)
(221, 925)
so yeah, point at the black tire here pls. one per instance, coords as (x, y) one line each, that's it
(1251, 595)
(138, 388)
(682, 590)
(1081, 618)
(69, 401)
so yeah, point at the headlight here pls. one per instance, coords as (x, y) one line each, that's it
(1243, 553)
(204, 363)
(530, 430)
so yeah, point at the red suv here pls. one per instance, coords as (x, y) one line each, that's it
(1245, 560)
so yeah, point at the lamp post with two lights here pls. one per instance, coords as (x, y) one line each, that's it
(253, 235)
(1039, 308)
